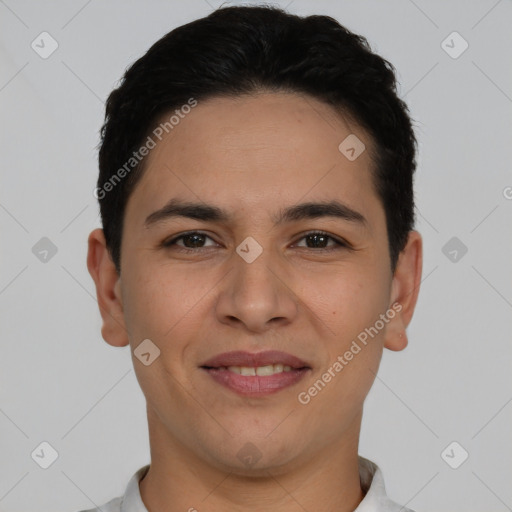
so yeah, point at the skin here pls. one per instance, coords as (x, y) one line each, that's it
(252, 156)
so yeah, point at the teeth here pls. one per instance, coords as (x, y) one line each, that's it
(265, 370)
(260, 370)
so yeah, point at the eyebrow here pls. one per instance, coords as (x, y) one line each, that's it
(205, 212)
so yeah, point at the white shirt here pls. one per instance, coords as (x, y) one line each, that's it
(372, 483)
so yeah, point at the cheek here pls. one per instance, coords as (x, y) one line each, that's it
(350, 307)
(347, 300)
(354, 350)
(159, 307)
(156, 300)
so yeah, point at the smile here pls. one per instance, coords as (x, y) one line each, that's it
(256, 374)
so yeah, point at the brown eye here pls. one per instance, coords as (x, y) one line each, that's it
(320, 240)
(192, 240)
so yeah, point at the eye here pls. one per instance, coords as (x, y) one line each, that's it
(319, 239)
(191, 240)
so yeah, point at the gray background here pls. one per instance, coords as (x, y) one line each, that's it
(61, 383)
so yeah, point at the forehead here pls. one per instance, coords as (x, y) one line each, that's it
(255, 153)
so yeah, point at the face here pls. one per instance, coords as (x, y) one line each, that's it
(248, 270)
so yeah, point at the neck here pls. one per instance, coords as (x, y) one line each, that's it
(178, 480)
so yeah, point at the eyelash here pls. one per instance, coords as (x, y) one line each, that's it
(339, 243)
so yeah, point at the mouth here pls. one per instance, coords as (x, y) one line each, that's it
(256, 374)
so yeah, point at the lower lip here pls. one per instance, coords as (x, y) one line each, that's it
(255, 385)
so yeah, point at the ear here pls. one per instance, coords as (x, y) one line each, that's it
(404, 291)
(108, 290)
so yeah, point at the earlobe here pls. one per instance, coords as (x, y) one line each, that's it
(396, 337)
(404, 291)
(107, 281)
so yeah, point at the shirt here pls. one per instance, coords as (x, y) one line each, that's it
(372, 484)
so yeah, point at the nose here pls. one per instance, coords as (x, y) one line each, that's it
(256, 296)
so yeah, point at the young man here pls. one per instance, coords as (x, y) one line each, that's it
(257, 254)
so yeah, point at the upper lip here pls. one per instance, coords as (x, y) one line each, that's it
(253, 360)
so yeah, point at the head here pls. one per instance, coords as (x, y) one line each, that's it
(254, 129)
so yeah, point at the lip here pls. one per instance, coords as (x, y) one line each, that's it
(253, 360)
(255, 385)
